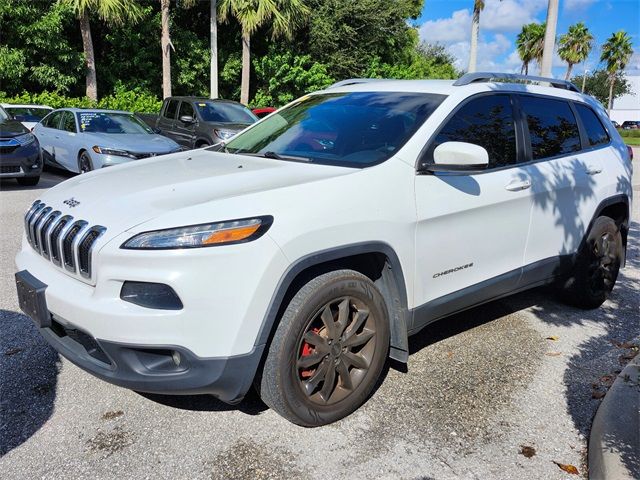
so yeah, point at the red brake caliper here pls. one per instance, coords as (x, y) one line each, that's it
(307, 349)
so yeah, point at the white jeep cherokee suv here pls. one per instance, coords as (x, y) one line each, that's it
(304, 252)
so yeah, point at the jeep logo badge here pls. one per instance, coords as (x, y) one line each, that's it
(72, 202)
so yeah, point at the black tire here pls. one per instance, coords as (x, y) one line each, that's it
(597, 265)
(28, 181)
(296, 380)
(85, 165)
(202, 144)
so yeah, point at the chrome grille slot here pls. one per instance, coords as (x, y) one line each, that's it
(66, 242)
(68, 255)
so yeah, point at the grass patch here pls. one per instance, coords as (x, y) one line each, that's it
(635, 141)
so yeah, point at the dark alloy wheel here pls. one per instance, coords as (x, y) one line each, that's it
(597, 265)
(84, 163)
(328, 351)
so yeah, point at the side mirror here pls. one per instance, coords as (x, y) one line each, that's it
(187, 119)
(458, 156)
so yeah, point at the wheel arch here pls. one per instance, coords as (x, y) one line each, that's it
(376, 260)
(617, 208)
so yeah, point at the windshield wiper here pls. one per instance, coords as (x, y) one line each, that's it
(277, 156)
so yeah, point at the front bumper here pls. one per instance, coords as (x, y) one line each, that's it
(166, 369)
(22, 161)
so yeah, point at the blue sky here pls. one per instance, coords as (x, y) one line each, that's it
(448, 22)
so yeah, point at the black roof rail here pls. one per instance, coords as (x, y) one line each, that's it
(478, 77)
(354, 81)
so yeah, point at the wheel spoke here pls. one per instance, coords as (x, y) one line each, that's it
(318, 341)
(310, 360)
(311, 384)
(345, 378)
(329, 381)
(357, 340)
(356, 360)
(343, 316)
(327, 319)
(358, 319)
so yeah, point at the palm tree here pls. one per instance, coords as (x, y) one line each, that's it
(478, 6)
(110, 11)
(574, 46)
(213, 25)
(616, 52)
(549, 38)
(530, 44)
(166, 45)
(285, 16)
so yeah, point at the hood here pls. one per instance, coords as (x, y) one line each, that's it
(12, 128)
(124, 196)
(133, 142)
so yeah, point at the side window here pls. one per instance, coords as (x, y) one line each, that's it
(552, 127)
(186, 109)
(486, 121)
(68, 122)
(53, 120)
(596, 134)
(170, 109)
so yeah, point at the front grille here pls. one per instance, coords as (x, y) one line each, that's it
(8, 168)
(67, 243)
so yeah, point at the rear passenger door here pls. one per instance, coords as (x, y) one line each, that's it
(66, 142)
(46, 132)
(167, 119)
(472, 228)
(567, 176)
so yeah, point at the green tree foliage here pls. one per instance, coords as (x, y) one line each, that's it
(530, 44)
(575, 45)
(616, 52)
(597, 85)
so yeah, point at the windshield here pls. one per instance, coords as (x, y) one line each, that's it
(348, 129)
(28, 114)
(225, 112)
(107, 122)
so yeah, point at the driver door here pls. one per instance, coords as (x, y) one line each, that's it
(472, 227)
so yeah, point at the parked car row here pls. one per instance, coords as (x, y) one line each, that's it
(81, 140)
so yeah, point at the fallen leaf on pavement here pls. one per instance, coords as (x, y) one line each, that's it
(553, 354)
(568, 468)
(527, 451)
(12, 351)
(597, 394)
(555, 338)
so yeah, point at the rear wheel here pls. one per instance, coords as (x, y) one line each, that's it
(28, 181)
(84, 163)
(328, 350)
(597, 265)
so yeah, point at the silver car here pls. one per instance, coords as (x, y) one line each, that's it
(82, 140)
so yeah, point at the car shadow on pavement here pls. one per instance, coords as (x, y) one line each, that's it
(28, 377)
(250, 405)
(50, 178)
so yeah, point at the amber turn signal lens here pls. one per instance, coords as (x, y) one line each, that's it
(231, 235)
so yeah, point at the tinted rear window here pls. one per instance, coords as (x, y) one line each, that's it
(552, 127)
(596, 134)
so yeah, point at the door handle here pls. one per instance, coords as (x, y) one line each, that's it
(516, 186)
(593, 170)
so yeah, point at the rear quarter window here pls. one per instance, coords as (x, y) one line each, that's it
(596, 133)
(170, 109)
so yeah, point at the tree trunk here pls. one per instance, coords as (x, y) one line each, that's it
(549, 39)
(613, 80)
(569, 68)
(166, 53)
(214, 49)
(246, 68)
(475, 32)
(87, 45)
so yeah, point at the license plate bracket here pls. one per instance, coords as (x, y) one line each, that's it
(32, 299)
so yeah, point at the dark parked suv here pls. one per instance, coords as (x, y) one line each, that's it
(19, 152)
(199, 122)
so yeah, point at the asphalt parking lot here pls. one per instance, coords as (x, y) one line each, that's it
(482, 389)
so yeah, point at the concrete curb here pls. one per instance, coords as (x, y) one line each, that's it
(614, 443)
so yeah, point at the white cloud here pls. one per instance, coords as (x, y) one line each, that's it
(510, 15)
(447, 30)
(489, 54)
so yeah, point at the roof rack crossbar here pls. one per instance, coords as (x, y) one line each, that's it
(477, 77)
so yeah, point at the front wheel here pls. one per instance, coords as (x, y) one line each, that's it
(84, 163)
(328, 350)
(597, 265)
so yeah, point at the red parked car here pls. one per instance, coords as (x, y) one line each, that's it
(263, 112)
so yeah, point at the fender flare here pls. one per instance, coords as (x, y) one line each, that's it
(396, 293)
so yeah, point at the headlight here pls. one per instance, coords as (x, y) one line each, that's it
(25, 139)
(113, 151)
(224, 134)
(204, 235)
